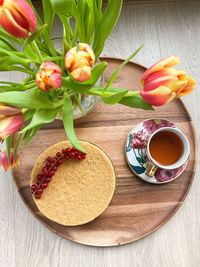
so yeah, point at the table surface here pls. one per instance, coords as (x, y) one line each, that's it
(166, 28)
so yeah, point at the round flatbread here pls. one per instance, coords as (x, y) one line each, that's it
(80, 190)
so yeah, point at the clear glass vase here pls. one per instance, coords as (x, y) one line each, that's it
(83, 103)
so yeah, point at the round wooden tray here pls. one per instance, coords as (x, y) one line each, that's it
(137, 208)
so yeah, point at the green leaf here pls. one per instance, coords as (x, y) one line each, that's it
(28, 51)
(82, 87)
(63, 7)
(10, 37)
(35, 35)
(48, 14)
(26, 100)
(8, 146)
(29, 134)
(40, 117)
(6, 44)
(113, 77)
(67, 112)
(114, 98)
(17, 145)
(106, 25)
(28, 115)
(135, 102)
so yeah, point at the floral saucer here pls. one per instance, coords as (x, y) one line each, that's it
(136, 152)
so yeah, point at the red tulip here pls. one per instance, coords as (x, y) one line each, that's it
(49, 77)
(162, 83)
(10, 125)
(17, 18)
(80, 63)
(4, 160)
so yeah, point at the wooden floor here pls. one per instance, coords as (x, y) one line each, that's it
(165, 29)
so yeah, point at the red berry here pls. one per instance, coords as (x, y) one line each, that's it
(60, 162)
(54, 168)
(51, 173)
(48, 164)
(78, 157)
(72, 155)
(64, 151)
(83, 156)
(39, 176)
(39, 191)
(45, 171)
(44, 185)
(37, 196)
(68, 150)
(47, 180)
(58, 154)
(67, 157)
(38, 181)
(54, 160)
(33, 186)
(49, 159)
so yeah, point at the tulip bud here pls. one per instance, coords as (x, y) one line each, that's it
(80, 63)
(4, 160)
(162, 83)
(8, 110)
(49, 77)
(17, 18)
(10, 125)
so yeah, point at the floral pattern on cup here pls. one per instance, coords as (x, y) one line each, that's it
(136, 151)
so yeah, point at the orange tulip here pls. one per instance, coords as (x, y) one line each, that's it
(4, 160)
(80, 63)
(162, 83)
(17, 18)
(49, 77)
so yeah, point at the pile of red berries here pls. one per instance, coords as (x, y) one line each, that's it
(50, 168)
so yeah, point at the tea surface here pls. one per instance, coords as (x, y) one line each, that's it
(166, 147)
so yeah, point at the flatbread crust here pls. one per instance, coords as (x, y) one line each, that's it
(80, 190)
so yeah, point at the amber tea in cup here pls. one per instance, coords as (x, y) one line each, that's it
(166, 147)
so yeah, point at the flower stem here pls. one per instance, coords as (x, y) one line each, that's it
(78, 102)
(37, 51)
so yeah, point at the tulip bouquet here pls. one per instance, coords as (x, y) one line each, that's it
(53, 76)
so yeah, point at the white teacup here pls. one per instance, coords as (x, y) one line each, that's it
(153, 165)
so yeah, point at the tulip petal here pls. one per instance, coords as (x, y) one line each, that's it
(88, 49)
(8, 110)
(49, 77)
(159, 96)
(165, 78)
(55, 81)
(4, 160)
(188, 88)
(69, 58)
(29, 20)
(162, 64)
(81, 74)
(10, 125)
(50, 66)
(10, 25)
(79, 63)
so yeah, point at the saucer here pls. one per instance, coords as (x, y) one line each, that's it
(135, 152)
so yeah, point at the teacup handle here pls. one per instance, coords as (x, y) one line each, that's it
(151, 169)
